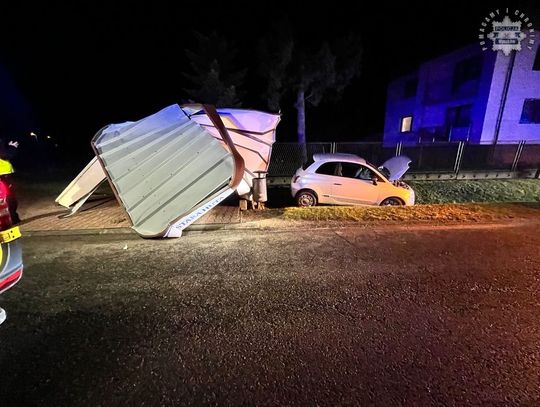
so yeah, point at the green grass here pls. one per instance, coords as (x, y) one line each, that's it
(463, 201)
(433, 213)
(493, 190)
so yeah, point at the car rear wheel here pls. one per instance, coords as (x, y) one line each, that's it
(306, 198)
(391, 202)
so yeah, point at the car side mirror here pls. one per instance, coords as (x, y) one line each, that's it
(374, 180)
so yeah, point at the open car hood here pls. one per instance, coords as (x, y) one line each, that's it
(396, 167)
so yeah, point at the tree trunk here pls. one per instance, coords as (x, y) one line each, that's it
(301, 122)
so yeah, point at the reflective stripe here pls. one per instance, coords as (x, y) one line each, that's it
(6, 167)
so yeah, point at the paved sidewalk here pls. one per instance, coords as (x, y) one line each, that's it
(45, 215)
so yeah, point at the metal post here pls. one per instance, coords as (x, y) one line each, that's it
(398, 148)
(459, 156)
(333, 147)
(504, 96)
(419, 164)
(519, 150)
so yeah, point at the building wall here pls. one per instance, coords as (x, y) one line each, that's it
(482, 97)
(400, 106)
(524, 84)
(437, 94)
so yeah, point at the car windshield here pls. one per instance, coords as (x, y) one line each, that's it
(384, 171)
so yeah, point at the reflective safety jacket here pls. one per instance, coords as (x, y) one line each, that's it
(6, 167)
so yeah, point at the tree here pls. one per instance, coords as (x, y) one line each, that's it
(213, 74)
(312, 71)
(275, 56)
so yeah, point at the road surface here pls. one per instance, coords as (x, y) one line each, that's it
(354, 316)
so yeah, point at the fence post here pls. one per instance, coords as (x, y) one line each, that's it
(333, 147)
(398, 148)
(519, 150)
(459, 156)
(419, 164)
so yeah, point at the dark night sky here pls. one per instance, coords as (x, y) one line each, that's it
(80, 67)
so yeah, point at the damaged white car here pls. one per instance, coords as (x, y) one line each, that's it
(346, 179)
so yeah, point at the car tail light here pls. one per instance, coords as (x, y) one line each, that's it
(5, 217)
(295, 178)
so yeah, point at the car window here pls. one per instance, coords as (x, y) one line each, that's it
(349, 170)
(358, 171)
(327, 169)
(365, 173)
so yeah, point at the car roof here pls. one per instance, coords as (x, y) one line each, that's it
(350, 158)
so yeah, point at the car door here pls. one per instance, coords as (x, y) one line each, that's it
(322, 180)
(355, 185)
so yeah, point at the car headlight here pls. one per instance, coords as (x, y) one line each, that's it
(401, 184)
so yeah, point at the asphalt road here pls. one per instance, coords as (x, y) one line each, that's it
(300, 317)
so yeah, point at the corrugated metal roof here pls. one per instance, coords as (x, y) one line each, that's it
(162, 167)
(83, 185)
(252, 132)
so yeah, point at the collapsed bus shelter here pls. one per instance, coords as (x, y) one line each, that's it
(172, 167)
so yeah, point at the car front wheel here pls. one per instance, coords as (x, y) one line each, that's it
(391, 202)
(306, 198)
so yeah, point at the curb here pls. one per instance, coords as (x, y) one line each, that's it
(198, 229)
(75, 232)
(129, 231)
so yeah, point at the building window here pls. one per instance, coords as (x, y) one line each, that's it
(406, 124)
(536, 65)
(531, 111)
(459, 116)
(467, 70)
(409, 88)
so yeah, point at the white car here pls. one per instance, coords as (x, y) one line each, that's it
(346, 179)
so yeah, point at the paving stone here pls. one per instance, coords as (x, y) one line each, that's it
(100, 214)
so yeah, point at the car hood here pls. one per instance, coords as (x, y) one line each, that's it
(396, 166)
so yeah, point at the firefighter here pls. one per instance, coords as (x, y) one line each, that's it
(6, 174)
